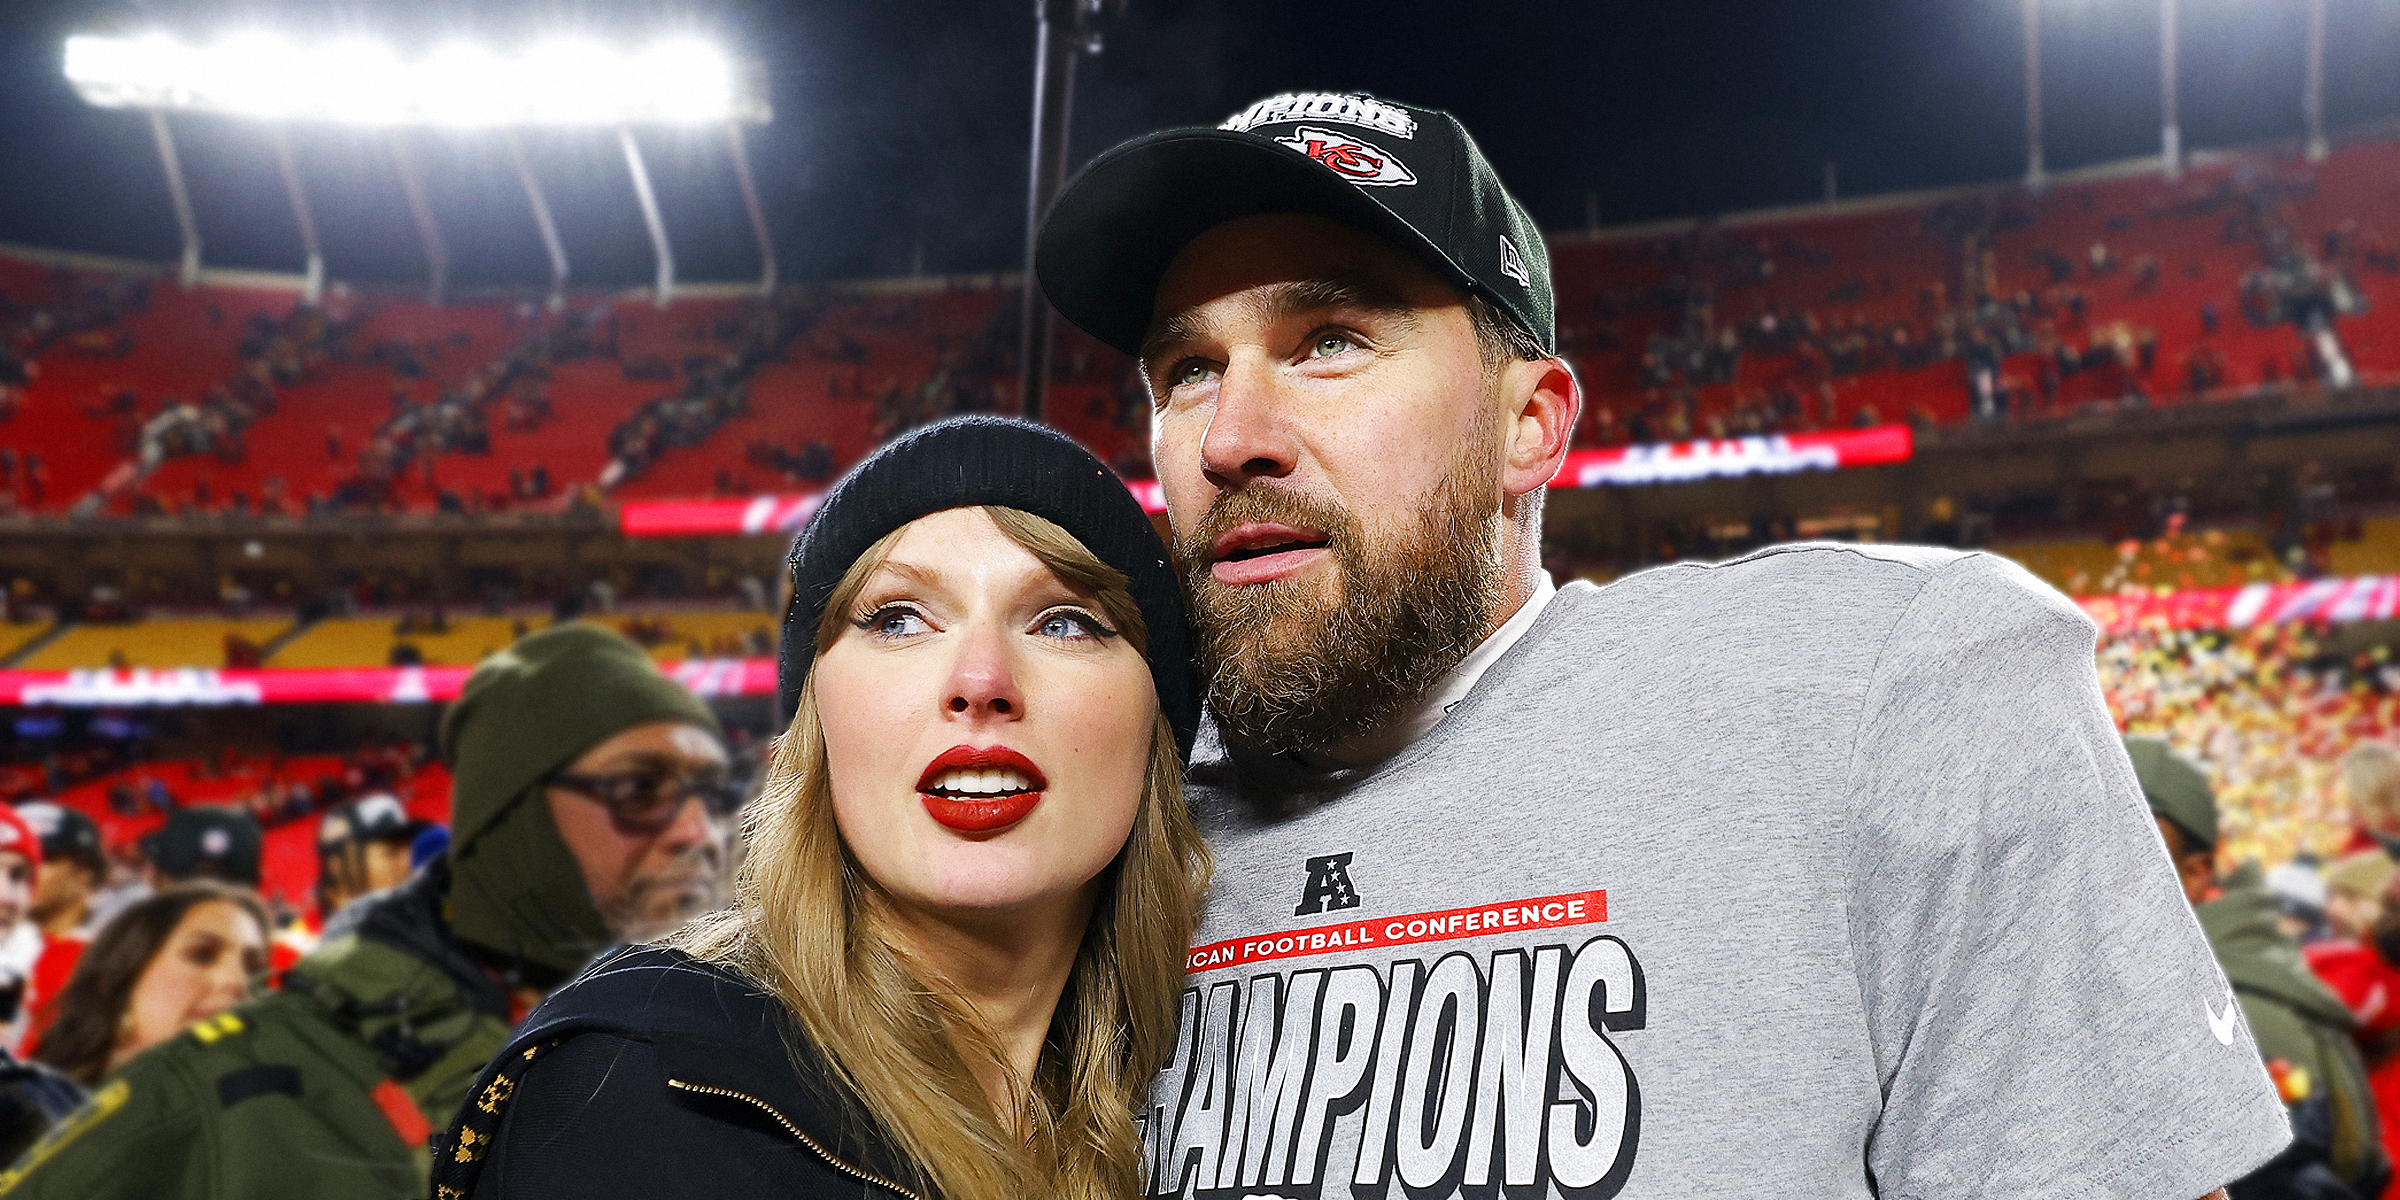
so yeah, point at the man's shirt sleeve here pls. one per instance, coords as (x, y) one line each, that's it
(2046, 1016)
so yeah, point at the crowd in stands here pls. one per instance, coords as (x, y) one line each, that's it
(2270, 711)
(458, 420)
(2254, 271)
(715, 386)
(1750, 331)
(75, 310)
(275, 354)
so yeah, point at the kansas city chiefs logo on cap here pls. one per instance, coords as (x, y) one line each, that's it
(1361, 162)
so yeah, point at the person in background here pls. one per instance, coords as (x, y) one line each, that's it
(362, 848)
(2302, 1029)
(2352, 963)
(2371, 775)
(73, 867)
(164, 965)
(592, 806)
(2354, 887)
(20, 938)
(32, 1098)
(206, 842)
(2300, 897)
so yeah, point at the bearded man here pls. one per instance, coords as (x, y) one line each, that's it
(1818, 873)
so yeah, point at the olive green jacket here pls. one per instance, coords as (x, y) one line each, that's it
(326, 1090)
(2294, 1018)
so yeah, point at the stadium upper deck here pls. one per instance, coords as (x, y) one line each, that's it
(124, 394)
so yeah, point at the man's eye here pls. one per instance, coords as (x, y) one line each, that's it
(1190, 371)
(1071, 623)
(895, 622)
(1329, 344)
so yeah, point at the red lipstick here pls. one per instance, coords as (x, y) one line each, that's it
(980, 813)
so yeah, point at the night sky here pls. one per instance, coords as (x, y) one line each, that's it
(900, 128)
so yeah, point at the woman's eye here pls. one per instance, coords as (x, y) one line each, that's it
(1329, 344)
(894, 621)
(1069, 623)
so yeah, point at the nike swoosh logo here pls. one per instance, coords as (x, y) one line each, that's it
(2221, 1023)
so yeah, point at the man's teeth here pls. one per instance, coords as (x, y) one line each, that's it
(982, 783)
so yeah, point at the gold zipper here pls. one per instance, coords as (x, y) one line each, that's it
(795, 1131)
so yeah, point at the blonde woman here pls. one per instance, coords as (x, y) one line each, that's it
(956, 950)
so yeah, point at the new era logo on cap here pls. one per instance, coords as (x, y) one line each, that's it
(1512, 264)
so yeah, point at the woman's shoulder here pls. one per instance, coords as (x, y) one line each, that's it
(658, 993)
(653, 1066)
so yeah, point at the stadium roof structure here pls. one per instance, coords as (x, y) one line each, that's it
(559, 82)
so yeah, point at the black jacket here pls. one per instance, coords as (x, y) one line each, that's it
(657, 1074)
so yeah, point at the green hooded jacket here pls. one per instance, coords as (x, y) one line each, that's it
(326, 1090)
(2292, 1015)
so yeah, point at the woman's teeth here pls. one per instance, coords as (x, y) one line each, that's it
(981, 783)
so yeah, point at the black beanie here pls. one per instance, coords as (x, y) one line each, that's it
(1005, 463)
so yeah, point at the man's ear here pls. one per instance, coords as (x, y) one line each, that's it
(1543, 400)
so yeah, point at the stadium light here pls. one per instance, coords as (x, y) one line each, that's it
(361, 81)
(557, 82)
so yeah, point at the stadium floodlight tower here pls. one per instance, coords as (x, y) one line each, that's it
(558, 82)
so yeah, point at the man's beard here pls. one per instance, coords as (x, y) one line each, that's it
(662, 897)
(1284, 672)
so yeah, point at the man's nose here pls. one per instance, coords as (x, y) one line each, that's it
(1246, 436)
(693, 825)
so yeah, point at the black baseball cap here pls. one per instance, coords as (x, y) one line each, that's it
(373, 818)
(1409, 175)
(207, 842)
(63, 832)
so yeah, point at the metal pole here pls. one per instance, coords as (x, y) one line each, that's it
(429, 234)
(2312, 87)
(184, 220)
(758, 215)
(2170, 137)
(658, 226)
(314, 289)
(541, 221)
(1053, 91)
(2034, 179)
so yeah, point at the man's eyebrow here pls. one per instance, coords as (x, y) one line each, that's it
(1288, 300)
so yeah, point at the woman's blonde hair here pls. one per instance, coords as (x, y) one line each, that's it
(895, 1033)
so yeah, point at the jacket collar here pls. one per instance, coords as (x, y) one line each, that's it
(709, 1025)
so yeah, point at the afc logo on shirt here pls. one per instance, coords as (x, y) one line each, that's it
(1328, 886)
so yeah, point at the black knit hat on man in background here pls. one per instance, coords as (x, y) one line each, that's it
(1005, 463)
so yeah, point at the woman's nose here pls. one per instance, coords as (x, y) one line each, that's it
(983, 680)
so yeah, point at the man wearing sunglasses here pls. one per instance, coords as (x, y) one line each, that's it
(590, 805)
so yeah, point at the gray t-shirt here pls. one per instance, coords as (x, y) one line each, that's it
(1817, 874)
